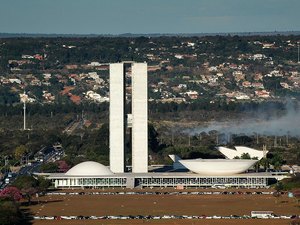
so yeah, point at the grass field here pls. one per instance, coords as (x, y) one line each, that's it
(208, 205)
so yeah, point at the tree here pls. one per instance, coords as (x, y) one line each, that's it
(10, 213)
(245, 156)
(276, 161)
(44, 183)
(49, 167)
(277, 165)
(11, 193)
(63, 166)
(153, 142)
(276, 194)
(28, 186)
(28, 192)
(278, 187)
(265, 163)
(20, 151)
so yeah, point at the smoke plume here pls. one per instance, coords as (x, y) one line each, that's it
(260, 122)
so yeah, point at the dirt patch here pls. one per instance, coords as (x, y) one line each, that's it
(165, 222)
(209, 205)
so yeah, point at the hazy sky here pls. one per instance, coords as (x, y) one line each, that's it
(148, 16)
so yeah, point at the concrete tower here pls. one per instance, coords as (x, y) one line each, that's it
(138, 116)
(116, 117)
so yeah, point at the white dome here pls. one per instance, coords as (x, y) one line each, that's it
(89, 168)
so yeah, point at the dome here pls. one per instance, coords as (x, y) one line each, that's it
(89, 168)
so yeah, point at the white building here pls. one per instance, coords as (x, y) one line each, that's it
(203, 173)
(240, 150)
(219, 167)
(116, 118)
(139, 117)
(96, 97)
(15, 80)
(95, 175)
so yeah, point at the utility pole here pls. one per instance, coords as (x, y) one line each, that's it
(6, 162)
(24, 114)
(275, 141)
(229, 137)
(298, 52)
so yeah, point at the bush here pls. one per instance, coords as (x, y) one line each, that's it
(9, 212)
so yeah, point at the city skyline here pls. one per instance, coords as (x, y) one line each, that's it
(132, 16)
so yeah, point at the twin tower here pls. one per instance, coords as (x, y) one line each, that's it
(120, 120)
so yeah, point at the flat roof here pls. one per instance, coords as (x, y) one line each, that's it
(166, 175)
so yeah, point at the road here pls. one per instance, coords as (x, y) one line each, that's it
(44, 155)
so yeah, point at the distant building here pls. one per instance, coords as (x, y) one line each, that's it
(262, 94)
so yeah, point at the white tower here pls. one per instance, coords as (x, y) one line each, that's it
(24, 108)
(24, 99)
(139, 117)
(116, 117)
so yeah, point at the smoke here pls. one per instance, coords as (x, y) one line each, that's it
(262, 121)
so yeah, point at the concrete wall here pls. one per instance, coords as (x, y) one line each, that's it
(116, 117)
(139, 118)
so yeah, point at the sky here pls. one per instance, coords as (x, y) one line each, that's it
(148, 16)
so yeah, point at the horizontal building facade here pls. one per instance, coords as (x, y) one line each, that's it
(185, 180)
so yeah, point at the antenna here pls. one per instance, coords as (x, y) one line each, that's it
(275, 141)
(257, 141)
(298, 52)
(24, 113)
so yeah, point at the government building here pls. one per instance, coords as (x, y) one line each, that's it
(229, 172)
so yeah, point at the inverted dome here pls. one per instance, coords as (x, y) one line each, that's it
(89, 168)
(217, 166)
(228, 152)
(240, 150)
(251, 151)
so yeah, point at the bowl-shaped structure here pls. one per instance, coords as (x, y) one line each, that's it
(228, 152)
(251, 151)
(218, 166)
(240, 150)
